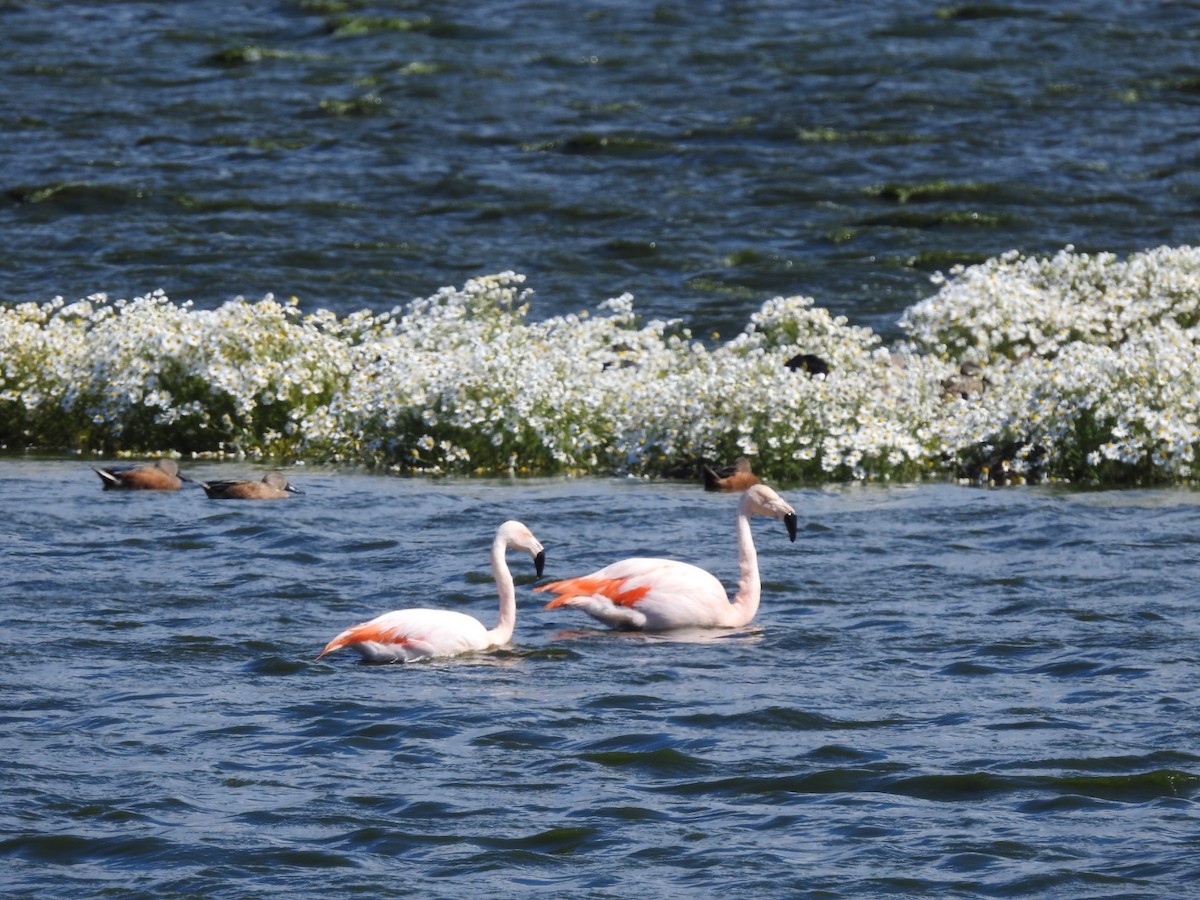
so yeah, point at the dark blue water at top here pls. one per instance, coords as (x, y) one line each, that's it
(704, 156)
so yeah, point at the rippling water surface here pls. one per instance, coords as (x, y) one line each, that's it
(704, 156)
(946, 690)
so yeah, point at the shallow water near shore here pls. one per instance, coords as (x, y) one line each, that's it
(948, 690)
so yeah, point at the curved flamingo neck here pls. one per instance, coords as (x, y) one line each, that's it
(503, 631)
(745, 602)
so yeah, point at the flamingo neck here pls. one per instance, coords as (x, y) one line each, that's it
(745, 602)
(503, 631)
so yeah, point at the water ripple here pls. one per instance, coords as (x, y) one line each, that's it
(168, 731)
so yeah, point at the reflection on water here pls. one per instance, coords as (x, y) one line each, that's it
(748, 635)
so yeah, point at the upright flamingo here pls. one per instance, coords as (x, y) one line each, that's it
(643, 594)
(407, 634)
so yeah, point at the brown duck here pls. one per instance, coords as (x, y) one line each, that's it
(161, 475)
(730, 479)
(272, 487)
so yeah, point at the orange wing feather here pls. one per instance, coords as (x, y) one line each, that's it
(366, 632)
(612, 588)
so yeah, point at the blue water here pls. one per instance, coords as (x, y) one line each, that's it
(947, 691)
(703, 156)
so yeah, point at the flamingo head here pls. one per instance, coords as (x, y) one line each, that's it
(760, 500)
(517, 537)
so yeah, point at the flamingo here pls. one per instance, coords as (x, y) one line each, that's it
(643, 594)
(160, 475)
(272, 487)
(408, 634)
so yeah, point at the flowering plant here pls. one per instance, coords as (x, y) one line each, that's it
(1076, 367)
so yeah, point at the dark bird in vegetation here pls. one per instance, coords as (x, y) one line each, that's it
(730, 479)
(968, 382)
(808, 362)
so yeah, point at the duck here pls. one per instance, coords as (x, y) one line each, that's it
(730, 479)
(273, 486)
(160, 475)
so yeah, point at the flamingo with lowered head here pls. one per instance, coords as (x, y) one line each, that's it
(408, 634)
(643, 594)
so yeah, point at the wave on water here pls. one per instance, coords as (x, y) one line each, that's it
(1081, 367)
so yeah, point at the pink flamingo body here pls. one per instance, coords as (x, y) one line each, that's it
(409, 634)
(648, 594)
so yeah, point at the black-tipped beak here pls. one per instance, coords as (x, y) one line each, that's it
(294, 490)
(790, 521)
(539, 562)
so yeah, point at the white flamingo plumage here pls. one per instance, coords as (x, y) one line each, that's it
(408, 634)
(644, 594)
